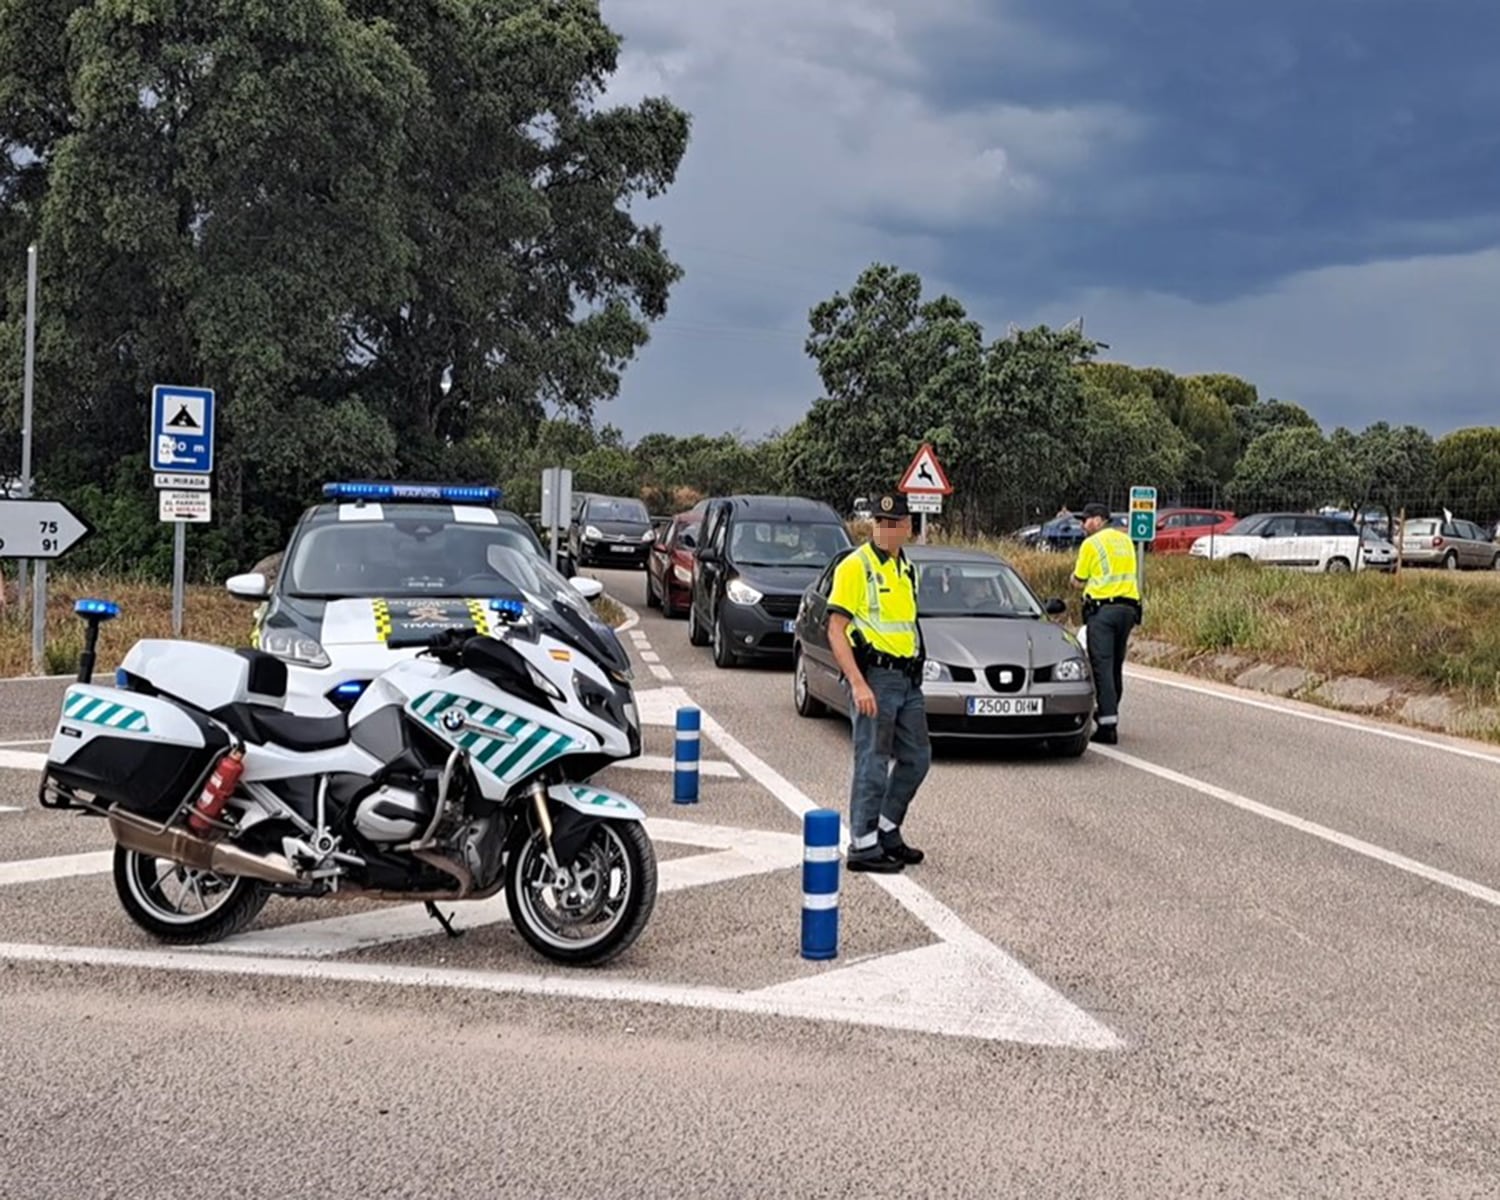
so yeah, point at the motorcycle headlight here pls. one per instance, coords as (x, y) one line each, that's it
(741, 592)
(294, 646)
(544, 685)
(935, 672)
(1071, 670)
(592, 532)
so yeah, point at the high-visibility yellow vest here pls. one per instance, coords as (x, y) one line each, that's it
(1107, 561)
(879, 596)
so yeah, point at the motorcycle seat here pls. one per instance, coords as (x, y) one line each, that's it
(261, 724)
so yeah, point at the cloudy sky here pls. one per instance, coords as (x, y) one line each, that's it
(1302, 192)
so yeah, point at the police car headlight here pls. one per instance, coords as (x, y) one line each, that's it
(592, 533)
(1071, 670)
(741, 592)
(935, 672)
(294, 647)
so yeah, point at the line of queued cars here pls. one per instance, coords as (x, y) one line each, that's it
(751, 576)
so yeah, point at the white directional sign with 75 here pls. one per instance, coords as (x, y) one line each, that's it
(39, 529)
(1143, 514)
(182, 429)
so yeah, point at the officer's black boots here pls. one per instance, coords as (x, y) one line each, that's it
(898, 849)
(882, 863)
(1106, 735)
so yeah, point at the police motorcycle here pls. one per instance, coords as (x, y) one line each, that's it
(459, 772)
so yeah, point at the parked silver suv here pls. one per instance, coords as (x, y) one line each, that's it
(1454, 545)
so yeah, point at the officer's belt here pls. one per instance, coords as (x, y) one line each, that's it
(888, 662)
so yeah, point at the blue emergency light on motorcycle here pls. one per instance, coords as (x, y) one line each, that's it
(350, 690)
(452, 493)
(105, 610)
(507, 608)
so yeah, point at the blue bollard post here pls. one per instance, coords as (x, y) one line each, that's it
(820, 884)
(685, 775)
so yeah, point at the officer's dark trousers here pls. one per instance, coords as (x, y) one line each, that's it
(892, 754)
(1109, 630)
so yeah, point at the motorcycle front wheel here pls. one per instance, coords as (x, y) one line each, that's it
(597, 908)
(184, 905)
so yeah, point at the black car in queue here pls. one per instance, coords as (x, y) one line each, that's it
(755, 557)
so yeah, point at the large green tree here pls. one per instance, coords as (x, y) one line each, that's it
(1467, 472)
(1292, 468)
(317, 209)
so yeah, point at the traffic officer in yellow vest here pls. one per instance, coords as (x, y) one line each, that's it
(872, 629)
(1105, 571)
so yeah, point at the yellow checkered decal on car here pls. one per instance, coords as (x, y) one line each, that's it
(382, 612)
(476, 613)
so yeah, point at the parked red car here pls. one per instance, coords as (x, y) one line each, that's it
(1178, 528)
(669, 566)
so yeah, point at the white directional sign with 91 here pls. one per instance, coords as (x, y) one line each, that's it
(39, 529)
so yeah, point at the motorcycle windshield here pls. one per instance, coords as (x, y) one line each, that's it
(559, 608)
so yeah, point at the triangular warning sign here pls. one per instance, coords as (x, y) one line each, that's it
(925, 475)
(183, 420)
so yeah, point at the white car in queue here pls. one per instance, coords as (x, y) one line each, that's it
(1301, 541)
(380, 558)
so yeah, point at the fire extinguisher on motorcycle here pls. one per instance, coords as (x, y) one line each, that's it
(216, 791)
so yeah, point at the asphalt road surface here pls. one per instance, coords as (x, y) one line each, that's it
(1251, 951)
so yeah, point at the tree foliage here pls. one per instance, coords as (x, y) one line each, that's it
(316, 209)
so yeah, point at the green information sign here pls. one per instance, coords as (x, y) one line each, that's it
(1143, 514)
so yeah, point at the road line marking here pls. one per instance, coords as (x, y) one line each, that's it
(1459, 884)
(45, 740)
(982, 1024)
(650, 656)
(9, 808)
(660, 671)
(22, 760)
(655, 762)
(38, 870)
(1378, 730)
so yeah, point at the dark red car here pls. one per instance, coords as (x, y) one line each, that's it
(1178, 528)
(669, 565)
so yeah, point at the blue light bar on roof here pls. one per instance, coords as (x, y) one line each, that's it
(452, 493)
(513, 607)
(105, 609)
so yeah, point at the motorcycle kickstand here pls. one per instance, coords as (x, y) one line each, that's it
(445, 922)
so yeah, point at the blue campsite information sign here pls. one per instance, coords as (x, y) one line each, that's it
(182, 429)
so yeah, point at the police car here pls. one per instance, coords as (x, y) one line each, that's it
(375, 559)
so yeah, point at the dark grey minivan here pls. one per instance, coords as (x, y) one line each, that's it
(755, 558)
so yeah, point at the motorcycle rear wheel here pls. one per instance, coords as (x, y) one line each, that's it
(146, 885)
(600, 915)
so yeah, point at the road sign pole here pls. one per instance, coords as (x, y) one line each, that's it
(39, 619)
(179, 555)
(28, 390)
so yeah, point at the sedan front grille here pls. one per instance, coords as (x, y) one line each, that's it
(781, 606)
(1006, 677)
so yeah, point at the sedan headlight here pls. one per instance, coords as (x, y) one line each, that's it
(649, 535)
(741, 592)
(592, 533)
(295, 647)
(683, 574)
(936, 672)
(1071, 670)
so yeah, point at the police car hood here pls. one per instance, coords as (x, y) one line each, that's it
(365, 622)
(369, 622)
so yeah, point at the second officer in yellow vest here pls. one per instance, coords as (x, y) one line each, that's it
(1106, 573)
(872, 630)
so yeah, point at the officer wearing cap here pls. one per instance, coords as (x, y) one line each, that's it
(1106, 572)
(872, 629)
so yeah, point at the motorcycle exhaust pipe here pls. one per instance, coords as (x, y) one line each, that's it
(179, 846)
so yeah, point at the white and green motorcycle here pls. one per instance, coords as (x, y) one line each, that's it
(458, 773)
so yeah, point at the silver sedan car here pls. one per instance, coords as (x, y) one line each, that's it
(998, 668)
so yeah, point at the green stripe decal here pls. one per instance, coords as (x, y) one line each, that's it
(537, 736)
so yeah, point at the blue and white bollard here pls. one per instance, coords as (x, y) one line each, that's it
(820, 884)
(689, 748)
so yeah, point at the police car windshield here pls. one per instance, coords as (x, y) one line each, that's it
(786, 543)
(978, 589)
(406, 556)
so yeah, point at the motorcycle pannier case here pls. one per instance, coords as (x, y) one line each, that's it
(140, 752)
